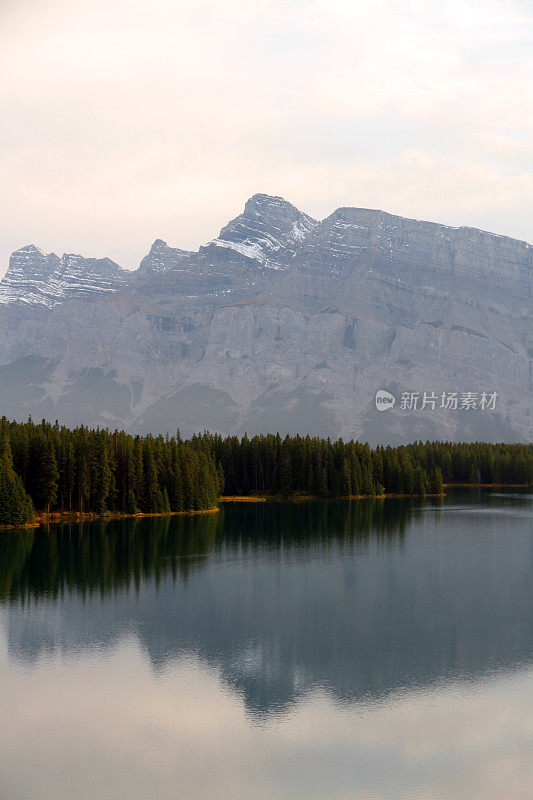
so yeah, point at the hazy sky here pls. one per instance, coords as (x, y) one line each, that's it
(127, 120)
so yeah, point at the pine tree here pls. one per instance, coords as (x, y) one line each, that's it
(220, 478)
(103, 479)
(16, 507)
(310, 486)
(285, 473)
(175, 482)
(420, 481)
(346, 480)
(474, 475)
(367, 486)
(45, 473)
(83, 480)
(436, 482)
(323, 486)
(409, 477)
(152, 496)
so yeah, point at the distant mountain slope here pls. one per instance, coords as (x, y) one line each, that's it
(280, 323)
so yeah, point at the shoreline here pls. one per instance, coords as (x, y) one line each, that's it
(489, 485)
(264, 498)
(63, 517)
(294, 498)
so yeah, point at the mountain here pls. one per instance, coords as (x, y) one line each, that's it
(160, 259)
(269, 230)
(280, 323)
(38, 278)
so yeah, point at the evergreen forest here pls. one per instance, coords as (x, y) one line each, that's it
(53, 468)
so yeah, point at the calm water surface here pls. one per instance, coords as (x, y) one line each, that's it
(323, 650)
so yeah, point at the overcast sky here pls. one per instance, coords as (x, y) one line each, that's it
(127, 120)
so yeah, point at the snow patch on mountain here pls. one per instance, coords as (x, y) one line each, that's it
(246, 248)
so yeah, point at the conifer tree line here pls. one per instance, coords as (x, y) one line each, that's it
(53, 468)
(310, 465)
(16, 507)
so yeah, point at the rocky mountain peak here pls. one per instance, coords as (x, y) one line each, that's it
(31, 248)
(31, 260)
(160, 259)
(43, 279)
(267, 226)
(267, 203)
(29, 271)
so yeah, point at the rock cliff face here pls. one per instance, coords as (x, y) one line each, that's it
(281, 323)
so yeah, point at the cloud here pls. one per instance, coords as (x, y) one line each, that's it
(133, 120)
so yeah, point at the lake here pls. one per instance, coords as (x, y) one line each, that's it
(315, 649)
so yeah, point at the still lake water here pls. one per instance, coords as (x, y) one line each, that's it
(331, 650)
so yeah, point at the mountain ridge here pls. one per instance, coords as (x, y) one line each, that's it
(234, 235)
(281, 322)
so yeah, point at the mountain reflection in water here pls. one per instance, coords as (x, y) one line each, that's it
(356, 599)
